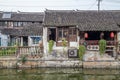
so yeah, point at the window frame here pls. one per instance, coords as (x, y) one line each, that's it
(35, 40)
(62, 32)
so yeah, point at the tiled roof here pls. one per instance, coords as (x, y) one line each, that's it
(24, 16)
(29, 30)
(10, 31)
(33, 29)
(84, 20)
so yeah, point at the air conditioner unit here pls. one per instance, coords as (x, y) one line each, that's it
(72, 53)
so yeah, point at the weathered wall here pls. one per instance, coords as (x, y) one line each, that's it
(34, 63)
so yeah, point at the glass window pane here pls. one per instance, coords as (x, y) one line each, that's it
(65, 34)
(14, 23)
(70, 31)
(74, 31)
(35, 40)
(60, 34)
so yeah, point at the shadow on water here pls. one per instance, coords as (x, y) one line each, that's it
(59, 74)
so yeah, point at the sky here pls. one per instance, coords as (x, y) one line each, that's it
(42, 5)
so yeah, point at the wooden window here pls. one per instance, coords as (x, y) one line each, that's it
(72, 34)
(62, 33)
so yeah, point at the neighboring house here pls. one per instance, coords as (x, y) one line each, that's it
(23, 28)
(81, 27)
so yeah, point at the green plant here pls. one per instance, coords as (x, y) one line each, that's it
(64, 44)
(50, 45)
(81, 51)
(23, 58)
(7, 51)
(102, 46)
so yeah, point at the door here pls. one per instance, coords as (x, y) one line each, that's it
(52, 34)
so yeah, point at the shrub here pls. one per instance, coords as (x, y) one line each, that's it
(50, 45)
(8, 51)
(64, 44)
(23, 58)
(102, 46)
(81, 51)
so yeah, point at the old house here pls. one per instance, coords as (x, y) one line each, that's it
(81, 27)
(23, 28)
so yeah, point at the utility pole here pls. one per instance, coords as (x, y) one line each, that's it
(99, 4)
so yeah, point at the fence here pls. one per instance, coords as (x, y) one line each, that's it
(15, 51)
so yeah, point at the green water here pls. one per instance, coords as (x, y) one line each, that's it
(59, 74)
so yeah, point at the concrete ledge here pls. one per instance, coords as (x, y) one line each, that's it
(101, 64)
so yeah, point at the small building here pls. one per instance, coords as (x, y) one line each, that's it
(81, 27)
(22, 28)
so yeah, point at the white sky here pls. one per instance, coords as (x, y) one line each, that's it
(41, 5)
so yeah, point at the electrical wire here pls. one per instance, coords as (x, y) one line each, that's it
(92, 5)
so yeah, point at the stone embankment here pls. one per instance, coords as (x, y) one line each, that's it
(90, 60)
(36, 63)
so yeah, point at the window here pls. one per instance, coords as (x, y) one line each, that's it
(6, 15)
(35, 40)
(72, 31)
(62, 33)
(4, 23)
(72, 34)
(19, 24)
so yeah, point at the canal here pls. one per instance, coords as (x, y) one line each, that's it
(59, 74)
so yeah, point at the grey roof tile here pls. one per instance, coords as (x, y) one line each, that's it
(85, 20)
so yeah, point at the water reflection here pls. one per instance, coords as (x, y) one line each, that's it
(59, 74)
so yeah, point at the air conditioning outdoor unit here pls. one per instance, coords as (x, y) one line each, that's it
(72, 53)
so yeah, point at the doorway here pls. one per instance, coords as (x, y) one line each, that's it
(52, 34)
(25, 41)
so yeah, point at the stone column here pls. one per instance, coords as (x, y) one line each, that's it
(21, 40)
(45, 41)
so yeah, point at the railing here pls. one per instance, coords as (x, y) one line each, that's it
(15, 51)
(96, 42)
